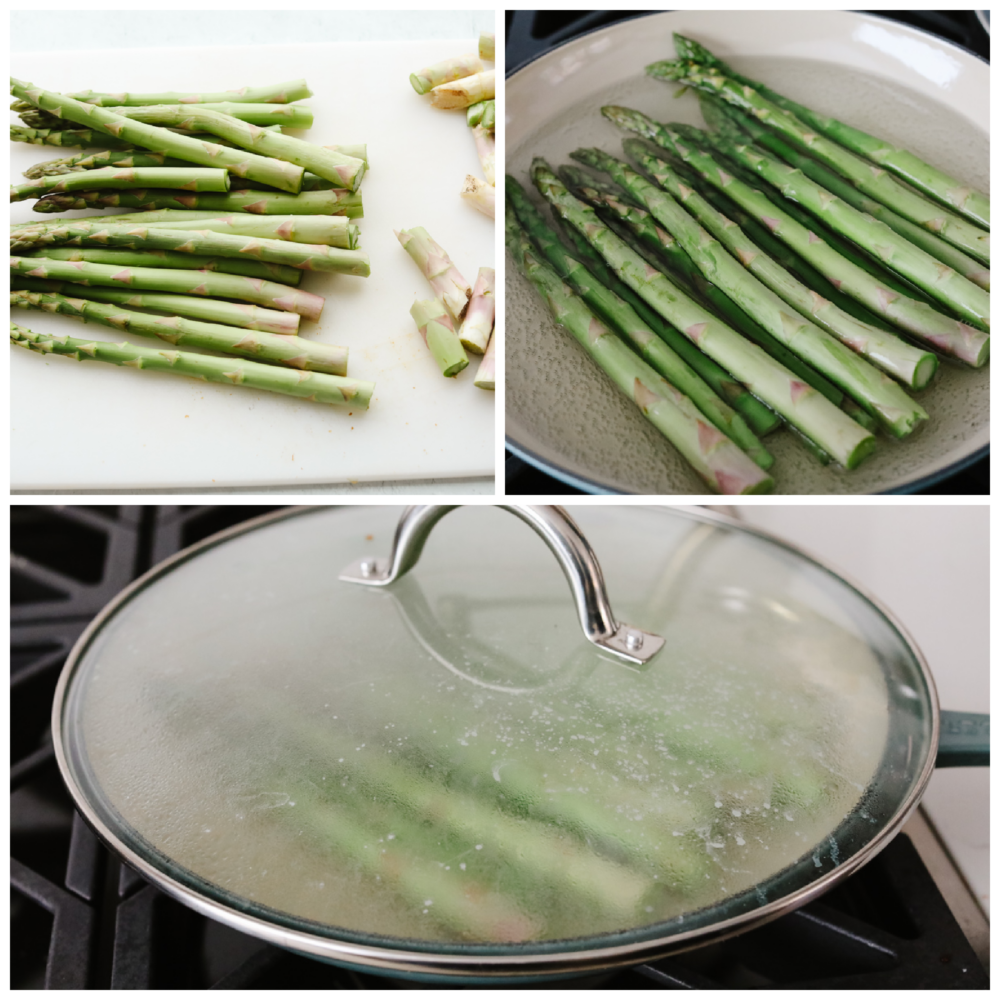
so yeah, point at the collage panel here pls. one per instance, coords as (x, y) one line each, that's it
(748, 252)
(279, 231)
(608, 746)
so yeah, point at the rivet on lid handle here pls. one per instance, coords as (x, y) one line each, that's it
(563, 537)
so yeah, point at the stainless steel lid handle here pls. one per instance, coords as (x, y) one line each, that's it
(559, 531)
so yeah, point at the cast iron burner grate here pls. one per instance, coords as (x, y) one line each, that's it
(82, 920)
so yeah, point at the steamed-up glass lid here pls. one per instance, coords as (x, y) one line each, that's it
(448, 762)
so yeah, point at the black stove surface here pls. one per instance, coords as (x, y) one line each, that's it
(530, 33)
(82, 920)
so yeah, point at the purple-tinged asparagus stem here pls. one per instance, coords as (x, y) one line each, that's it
(475, 332)
(445, 72)
(462, 93)
(485, 374)
(437, 267)
(480, 195)
(439, 335)
(486, 148)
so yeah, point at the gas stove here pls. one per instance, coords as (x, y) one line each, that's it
(80, 919)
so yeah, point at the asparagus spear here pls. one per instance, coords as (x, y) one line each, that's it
(282, 175)
(439, 335)
(203, 283)
(294, 352)
(872, 180)
(445, 71)
(182, 262)
(124, 178)
(479, 317)
(345, 171)
(631, 328)
(439, 270)
(487, 46)
(257, 202)
(643, 229)
(732, 123)
(312, 386)
(797, 402)
(933, 182)
(249, 317)
(333, 230)
(911, 366)
(462, 93)
(102, 158)
(485, 373)
(918, 319)
(758, 417)
(279, 93)
(266, 115)
(305, 256)
(480, 195)
(710, 453)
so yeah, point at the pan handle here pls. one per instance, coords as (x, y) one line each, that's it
(561, 534)
(965, 740)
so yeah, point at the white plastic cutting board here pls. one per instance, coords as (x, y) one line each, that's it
(90, 425)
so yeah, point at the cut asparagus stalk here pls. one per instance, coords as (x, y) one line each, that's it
(770, 381)
(345, 171)
(478, 324)
(312, 386)
(485, 373)
(124, 178)
(332, 230)
(182, 262)
(305, 256)
(264, 115)
(439, 270)
(757, 416)
(487, 46)
(438, 331)
(338, 202)
(631, 328)
(486, 148)
(279, 93)
(294, 352)
(249, 317)
(736, 126)
(480, 195)
(926, 178)
(872, 180)
(202, 283)
(711, 454)
(283, 175)
(943, 333)
(445, 71)
(462, 93)
(910, 365)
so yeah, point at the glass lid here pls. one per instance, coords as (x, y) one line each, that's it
(447, 765)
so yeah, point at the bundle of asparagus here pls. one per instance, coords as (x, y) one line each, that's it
(210, 251)
(839, 272)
